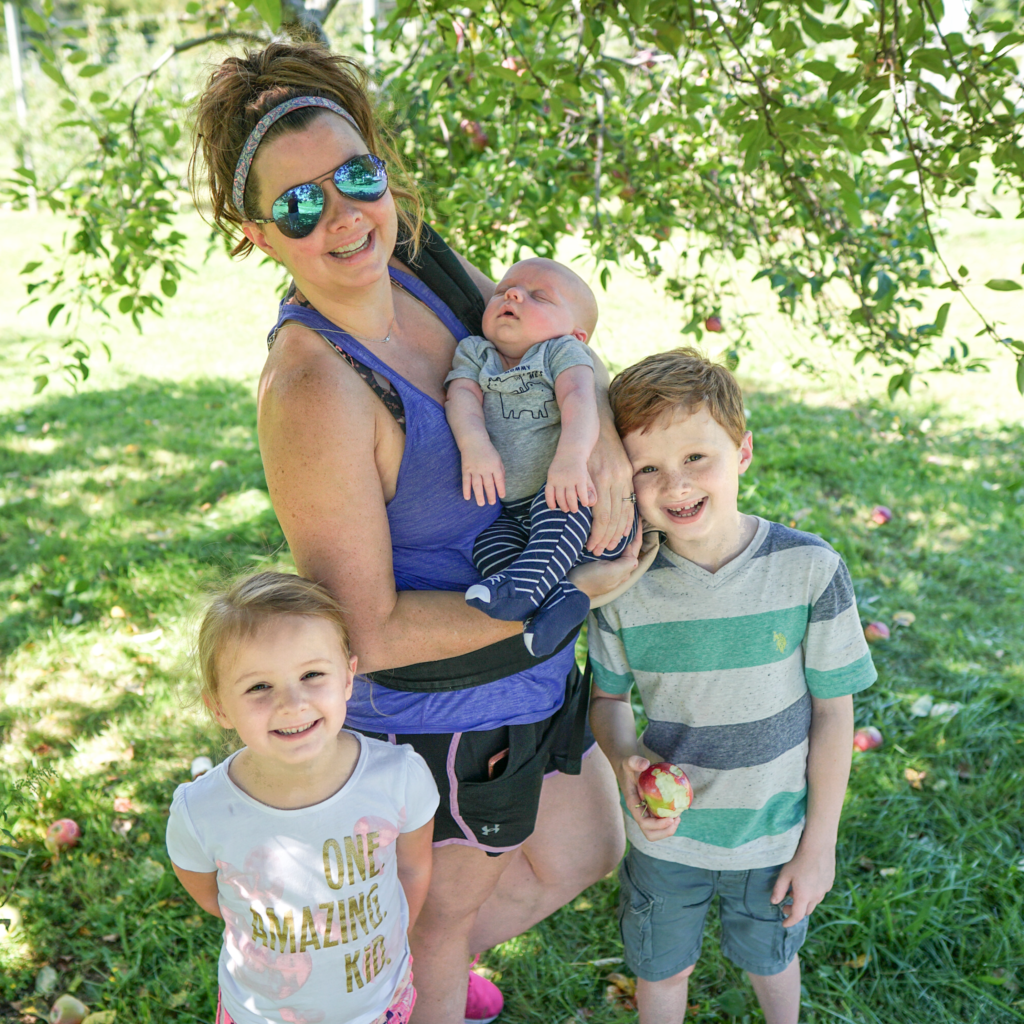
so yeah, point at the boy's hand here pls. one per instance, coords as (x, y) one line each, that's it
(629, 775)
(807, 877)
(483, 474)
(569, 484)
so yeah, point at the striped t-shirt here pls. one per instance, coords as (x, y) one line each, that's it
(726, 664)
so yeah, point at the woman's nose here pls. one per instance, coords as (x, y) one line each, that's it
(339, 210)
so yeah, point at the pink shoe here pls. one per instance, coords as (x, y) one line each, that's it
(484, 1000)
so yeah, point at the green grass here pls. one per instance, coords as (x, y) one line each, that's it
(118, 504)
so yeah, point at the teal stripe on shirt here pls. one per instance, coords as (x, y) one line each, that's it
(716, 645)
(610, 682)
(838, 682)
(730, 827)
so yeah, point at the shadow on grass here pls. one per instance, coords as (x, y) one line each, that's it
(109, 495)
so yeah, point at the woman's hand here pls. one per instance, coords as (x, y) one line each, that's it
(613, 479)
(597, 579)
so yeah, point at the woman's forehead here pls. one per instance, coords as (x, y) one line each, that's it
(296, 157)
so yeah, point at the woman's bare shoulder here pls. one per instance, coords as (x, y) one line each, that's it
(302, 366)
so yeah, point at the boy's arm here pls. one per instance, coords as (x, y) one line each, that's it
(611, 718)
(812, 870)
(483, 474)
(569, 484)
(201, 886)
(415, 860)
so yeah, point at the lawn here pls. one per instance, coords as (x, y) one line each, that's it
(119, 502)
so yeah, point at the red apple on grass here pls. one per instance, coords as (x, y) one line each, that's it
(875, 631)
(666, 790)
(881, 515)
(867, 739)
(62, 835)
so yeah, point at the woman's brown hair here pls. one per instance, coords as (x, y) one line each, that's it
(243, 89)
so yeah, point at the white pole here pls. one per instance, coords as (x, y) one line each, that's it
(369, 16)
(20, 106)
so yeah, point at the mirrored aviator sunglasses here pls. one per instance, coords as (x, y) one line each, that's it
(297, 211)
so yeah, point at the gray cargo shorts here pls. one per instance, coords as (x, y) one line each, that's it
(663, 907)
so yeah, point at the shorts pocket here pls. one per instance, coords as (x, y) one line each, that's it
(636, 910)
(757, 895)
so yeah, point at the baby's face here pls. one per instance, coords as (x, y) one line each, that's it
(531, 304)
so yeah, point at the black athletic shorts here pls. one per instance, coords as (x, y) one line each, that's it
(490, 781)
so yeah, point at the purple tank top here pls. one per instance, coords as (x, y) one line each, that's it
(433, 529)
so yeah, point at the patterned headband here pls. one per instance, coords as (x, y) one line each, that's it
(261, 129)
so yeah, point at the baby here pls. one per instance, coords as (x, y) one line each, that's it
(523, 409)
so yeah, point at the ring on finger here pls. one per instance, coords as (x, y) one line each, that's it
(631, 498)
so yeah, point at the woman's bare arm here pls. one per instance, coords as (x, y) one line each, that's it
(322, 444)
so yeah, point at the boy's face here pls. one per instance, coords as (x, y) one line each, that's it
(531, 304)
(686, 473)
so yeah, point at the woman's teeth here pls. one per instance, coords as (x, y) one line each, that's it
(687, 511)
(348, 250)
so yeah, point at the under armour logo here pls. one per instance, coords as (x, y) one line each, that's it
(490, 829)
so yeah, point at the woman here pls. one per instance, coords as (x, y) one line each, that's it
(364, 476)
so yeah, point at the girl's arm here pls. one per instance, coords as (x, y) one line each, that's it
(201, 886)
(415, 860)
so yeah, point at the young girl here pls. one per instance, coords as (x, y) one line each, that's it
(312, 843)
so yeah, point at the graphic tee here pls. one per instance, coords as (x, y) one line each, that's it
(315, 916)
(520, 411)
(726, 664)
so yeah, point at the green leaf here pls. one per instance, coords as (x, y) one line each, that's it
(40, 382)
(824, 70)
(269, 11)
(54, 313)
(98, 96)
(30, 267)
(168, 286)
(1020, 375)
(637, 10)
(35, 21)
(865, 119)
(932, 59)
(12, 851)
(53, 72)
(1001, 284)
(77, 57)
(91, 70)
(941, 317)
(125, 304)
(962, 271)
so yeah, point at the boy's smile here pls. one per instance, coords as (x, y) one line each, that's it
(686, 476)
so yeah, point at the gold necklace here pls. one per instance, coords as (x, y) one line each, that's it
(391, 326)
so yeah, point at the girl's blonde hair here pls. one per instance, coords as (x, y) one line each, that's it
(242, 89)
(238, 612)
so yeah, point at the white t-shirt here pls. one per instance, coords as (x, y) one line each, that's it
(315, 916)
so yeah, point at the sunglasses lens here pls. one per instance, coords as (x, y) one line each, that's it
(297, 212)
(363, 177)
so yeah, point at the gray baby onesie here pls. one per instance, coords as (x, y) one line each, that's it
(520, 411)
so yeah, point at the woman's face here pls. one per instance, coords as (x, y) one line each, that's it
(353, 241)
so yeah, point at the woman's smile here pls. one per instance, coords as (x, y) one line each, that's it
(351, 248)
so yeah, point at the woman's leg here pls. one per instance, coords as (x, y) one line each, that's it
(462, 880)
(579, 838)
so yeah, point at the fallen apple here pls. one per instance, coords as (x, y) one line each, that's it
(713, 324)
(881, 515)
(62, 835)
(875, 631)
(68, 1010)
(867, 739)
(666, 790)
(199, 766)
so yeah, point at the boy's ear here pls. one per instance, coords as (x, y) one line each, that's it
(746, 451)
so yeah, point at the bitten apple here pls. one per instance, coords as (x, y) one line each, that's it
(62, 835)
(875, 631)
(867, 739)
(68, 1010)
(666, 790)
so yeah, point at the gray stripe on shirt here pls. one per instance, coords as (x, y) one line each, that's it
(782, 537)
(731, 746)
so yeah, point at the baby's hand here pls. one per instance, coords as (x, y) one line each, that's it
(483, 474)
(569, 484)
(629, 775)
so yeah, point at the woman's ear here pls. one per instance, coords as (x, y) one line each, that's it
(213, 706)
(255, 233)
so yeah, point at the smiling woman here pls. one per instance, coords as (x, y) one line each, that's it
(365, 478)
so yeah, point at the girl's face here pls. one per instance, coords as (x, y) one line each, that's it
(284, 689)
(351, 244)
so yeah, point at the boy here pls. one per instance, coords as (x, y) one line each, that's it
(744, 640)
(522, 407)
